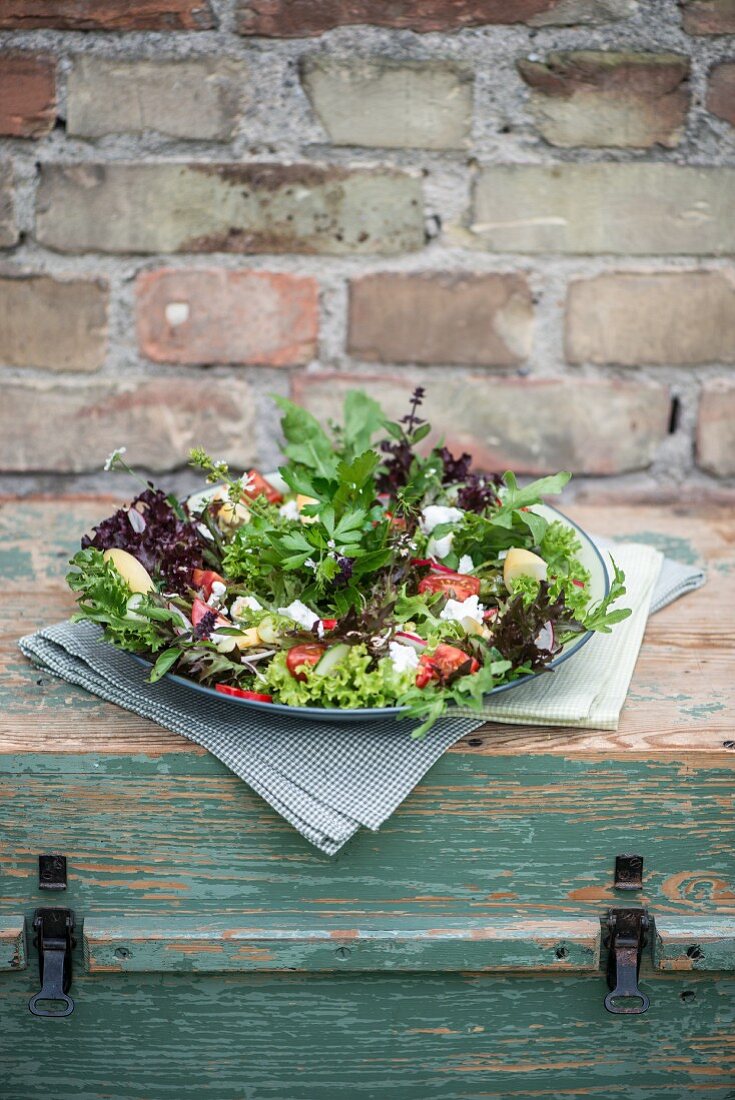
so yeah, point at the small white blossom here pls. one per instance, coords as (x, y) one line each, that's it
(403, 657)
(435, 514)
(331, 544)
(440, 548)
(243, 604)
(299, 613)
(466, 564)
(455, 611)
(310, 564)
(113, 457)
(289, 510)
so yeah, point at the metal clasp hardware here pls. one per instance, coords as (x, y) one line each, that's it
(53, 928)
(626, 939)
(628, 872)
(52, 872)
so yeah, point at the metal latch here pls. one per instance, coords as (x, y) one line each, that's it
(53, 928)
(625, 941)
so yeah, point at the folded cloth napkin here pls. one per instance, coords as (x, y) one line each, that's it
(328, 779)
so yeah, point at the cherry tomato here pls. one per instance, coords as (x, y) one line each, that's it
(445, 660)
(205, 578)
(240, 693)
(260, 487)
(329, 624)
(310, 653)
(457, 585)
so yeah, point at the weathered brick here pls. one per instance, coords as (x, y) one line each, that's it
(300, 18)
(708, 16)
(528, 425)
(107, 15)
(391, 104)
(45, 322)
(27, 94)
(721, 95)
(222, 316)
(662, 318)
(441, 318)
(8, 227)
(195, 99)
(600, 99)
(157, 419)
(228, 208)
(616, 208)
(716, 427)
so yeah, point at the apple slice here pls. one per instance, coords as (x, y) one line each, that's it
(136, 576)
(522, 563)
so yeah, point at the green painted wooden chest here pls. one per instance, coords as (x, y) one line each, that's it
(458, 954)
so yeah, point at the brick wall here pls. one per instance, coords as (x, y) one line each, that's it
(527, 205)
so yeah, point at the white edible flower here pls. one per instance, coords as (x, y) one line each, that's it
(300, 614)
(216, 594)
(310, 564)
(440, 548)
(289, 510)
(403, 657)
(435, 514)
(466, 564)
(243, 604)
(113, 456)
(455, 611)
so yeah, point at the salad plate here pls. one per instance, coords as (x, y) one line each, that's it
(364, 579)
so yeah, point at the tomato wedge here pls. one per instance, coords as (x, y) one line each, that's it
(240, 693)
(199, 609)
(457, 585)
(303, 656)
(204, 579)
(258, 486)
(445, 660)
(329, 624)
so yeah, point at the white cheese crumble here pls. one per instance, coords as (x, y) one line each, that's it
(434, 514)
(243, 604)
(471, 608)
(300, 614)
(440, 548)
(403, 657)
(466, 564)
(289, 510)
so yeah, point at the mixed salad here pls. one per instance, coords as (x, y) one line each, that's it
(369, 574)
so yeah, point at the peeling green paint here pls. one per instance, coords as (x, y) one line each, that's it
(702, 711)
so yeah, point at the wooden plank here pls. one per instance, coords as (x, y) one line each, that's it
(694, 943)
(344, 1036)
(533, 943)
(681, 701)
(13, 951)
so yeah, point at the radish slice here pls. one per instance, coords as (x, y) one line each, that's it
(411, 639)
(579, 584)
(545, 637)
(490, 613)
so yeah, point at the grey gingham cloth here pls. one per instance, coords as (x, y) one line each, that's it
(327, 779)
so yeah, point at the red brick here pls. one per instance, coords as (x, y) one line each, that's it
(217, 316)
(530, 425)
(299, 18)
(441, 318)
(107, 15)
(721, 95)
(27, 95)
(716, 427)
(708, 16)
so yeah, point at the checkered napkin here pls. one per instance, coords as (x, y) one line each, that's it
(328, 779)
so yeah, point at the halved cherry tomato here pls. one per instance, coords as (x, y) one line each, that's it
(260, 487)
(205, 578)
(240, 693)
(310, 653)
(199, 609)
(445, 660)
(329, 624)
(457, 585)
